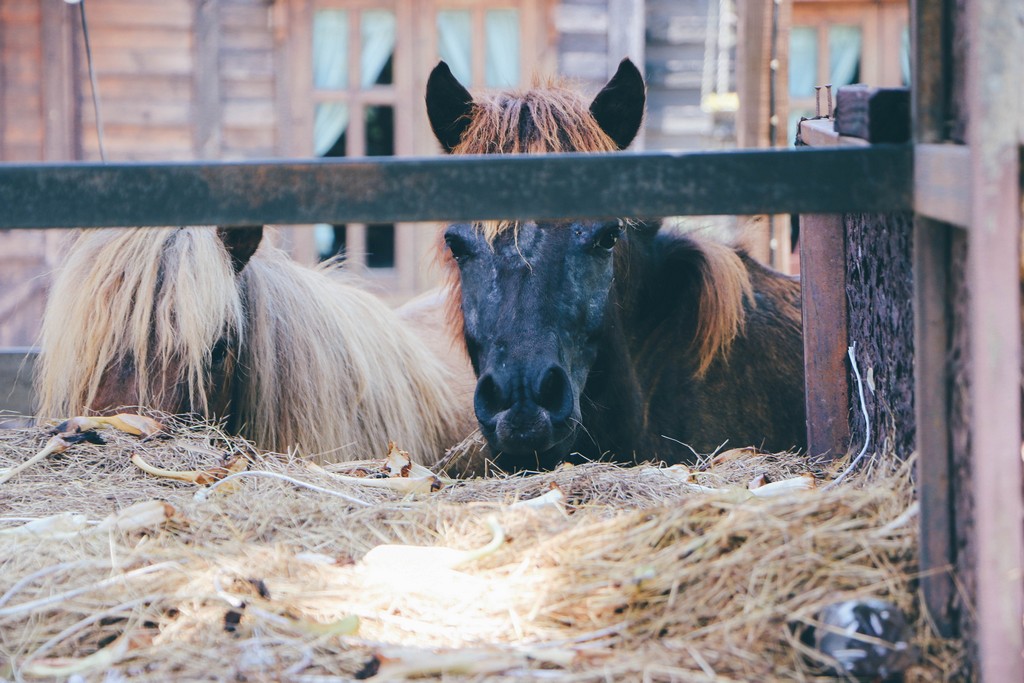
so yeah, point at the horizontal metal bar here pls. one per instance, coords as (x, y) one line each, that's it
(464, 188)
(942, 184)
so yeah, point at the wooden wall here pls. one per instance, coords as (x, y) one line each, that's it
(21, 58)
(32, 99)
(181, 79)
(178, 80)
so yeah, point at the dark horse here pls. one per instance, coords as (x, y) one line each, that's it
(608, 338)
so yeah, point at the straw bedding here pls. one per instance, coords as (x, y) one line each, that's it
(637, 575)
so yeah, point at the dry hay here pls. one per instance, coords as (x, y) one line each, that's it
(637, 575)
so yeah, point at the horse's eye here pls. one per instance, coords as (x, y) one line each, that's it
(219, 353)
(458, 248)
(607, 238)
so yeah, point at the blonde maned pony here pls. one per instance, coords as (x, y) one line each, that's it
(197, 320)
(608, 339)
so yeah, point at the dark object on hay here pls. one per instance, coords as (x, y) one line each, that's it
(873, 114)
(869, 639)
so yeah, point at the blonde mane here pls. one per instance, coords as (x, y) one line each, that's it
(325, 368)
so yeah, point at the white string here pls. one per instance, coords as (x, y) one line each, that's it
(867, 421)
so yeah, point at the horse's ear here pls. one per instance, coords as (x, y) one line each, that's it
(619, 107)
(241, 241)
(449, 106)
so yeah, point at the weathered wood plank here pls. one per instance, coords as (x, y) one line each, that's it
(206, 80)
(932, 323)
(398, 189)
(932, 405)
(156, 61)
(992, 86)
(57, 86)
(166, 14)
(822, 133)
(942, 190)
(823, 298)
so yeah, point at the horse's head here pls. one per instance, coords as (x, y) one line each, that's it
(149, 317)
(535, 296)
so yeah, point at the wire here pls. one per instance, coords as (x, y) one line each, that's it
(92, 81)
(867, 421)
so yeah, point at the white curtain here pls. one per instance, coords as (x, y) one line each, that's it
(905, 55)
(329, 122)
(843, 54)
(455, 43)
(803, 61)
(378, 33)
(330, 72)
(330, 49)
(501, 27)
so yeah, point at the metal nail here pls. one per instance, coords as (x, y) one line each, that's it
(828, 92)
(817, 101)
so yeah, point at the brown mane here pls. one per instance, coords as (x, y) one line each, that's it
(548, 118)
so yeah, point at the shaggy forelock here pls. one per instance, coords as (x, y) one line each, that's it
(548, 118)
(156, 298)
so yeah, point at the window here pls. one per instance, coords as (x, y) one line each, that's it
(353, 100)
(481, 45)
(356, 72)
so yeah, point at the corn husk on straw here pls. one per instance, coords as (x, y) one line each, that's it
(84, 429)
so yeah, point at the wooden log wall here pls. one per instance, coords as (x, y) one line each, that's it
(178, 80)
(181, 79)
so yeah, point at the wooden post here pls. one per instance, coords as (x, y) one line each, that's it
(753, 54)
(932, 330)
(823, 266)
(58, 83)
(992, 90)
(206, 132)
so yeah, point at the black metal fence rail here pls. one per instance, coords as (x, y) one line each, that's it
(877, 178)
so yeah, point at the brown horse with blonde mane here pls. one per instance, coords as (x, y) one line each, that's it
(609, 338)
(212, 322)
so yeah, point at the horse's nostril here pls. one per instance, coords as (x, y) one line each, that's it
(554, 393)
(490, 399)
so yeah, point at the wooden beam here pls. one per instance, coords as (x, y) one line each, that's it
(206, 131)
(822, 133)
(58, 83)
(753, 85)
(931, 48)
(932, 408)
(993, 78)
(942, 190)
(823, 296)
(389, 189)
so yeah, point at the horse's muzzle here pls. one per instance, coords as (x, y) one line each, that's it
(522, 415)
